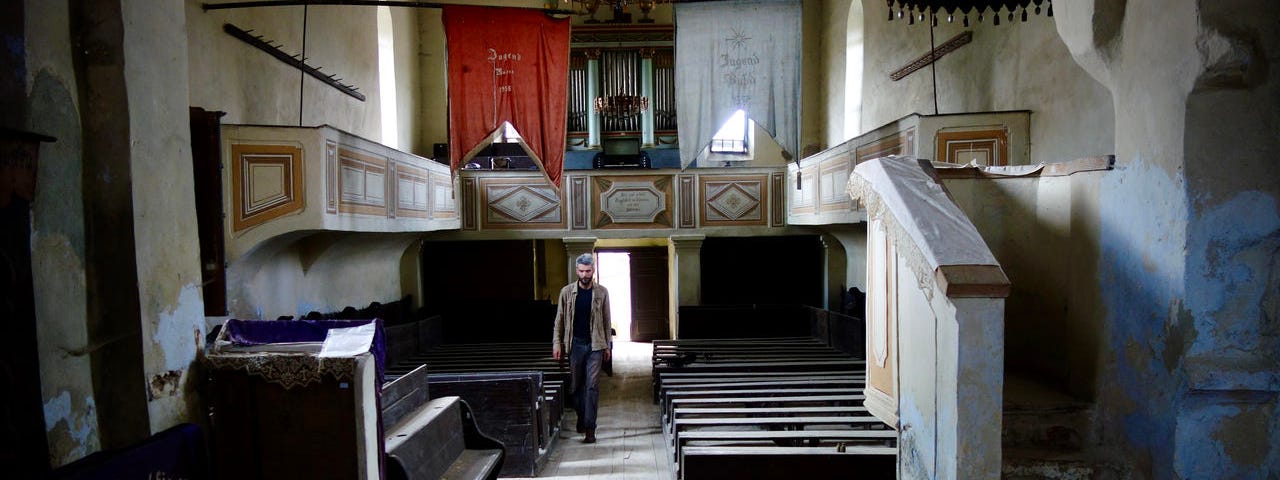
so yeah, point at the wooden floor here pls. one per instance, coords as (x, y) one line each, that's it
(630, 444)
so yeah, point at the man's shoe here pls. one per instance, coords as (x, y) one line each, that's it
(591, 436)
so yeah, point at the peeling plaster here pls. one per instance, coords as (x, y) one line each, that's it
(1227, 440)
(164, 385)
(173, 330)
(1232, 251)
(72, 433)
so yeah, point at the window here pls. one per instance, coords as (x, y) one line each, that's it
(733, 136)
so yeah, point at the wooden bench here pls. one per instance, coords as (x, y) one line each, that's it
(812, 437)
(861, 422)
(674, 396)
(430, 443)
(661, 371)
(770, 391)
(508, 406)
(767, 462)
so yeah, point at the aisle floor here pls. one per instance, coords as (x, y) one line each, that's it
(630, 444)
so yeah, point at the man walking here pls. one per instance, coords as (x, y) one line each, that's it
(582, 319)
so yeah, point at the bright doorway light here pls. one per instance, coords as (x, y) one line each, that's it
(615, 274)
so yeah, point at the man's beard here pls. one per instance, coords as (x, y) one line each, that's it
(584, 283)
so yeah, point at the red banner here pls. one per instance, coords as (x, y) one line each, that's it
(512, 65)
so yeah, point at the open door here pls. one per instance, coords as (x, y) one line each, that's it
(649, 294)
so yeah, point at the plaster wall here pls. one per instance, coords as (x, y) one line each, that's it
(1028, 224)
(163, 207)
(404, 28)
(1012, 66)
(1188, 245)
(433, 110)
(58, 238)
(255, 88)
(325, 272)
(833, 39)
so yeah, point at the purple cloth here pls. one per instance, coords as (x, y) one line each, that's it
(261, 332)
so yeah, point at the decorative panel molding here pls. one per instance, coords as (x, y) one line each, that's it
(733, 200)
(413, 187)
(641, 201)
(469, 187)
(805, 199)
(901, 143)
(362, 182)
(688, 202)
(833, 176)
(266, 183)
(778, 213)
(443, 202)
(984, 147)
(578, 201)
(520, 204)
(331, 176)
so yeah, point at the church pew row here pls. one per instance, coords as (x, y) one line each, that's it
(780, 365)
(517, 392)
(817, 463)
(762, 401)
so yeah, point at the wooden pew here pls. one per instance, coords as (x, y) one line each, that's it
(436, 438)
(508, 406)
(781, 391)
(816, 463)
(812, 437)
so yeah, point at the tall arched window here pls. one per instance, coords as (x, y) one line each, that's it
(853, 71)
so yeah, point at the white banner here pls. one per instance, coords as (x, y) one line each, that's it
(732, 55)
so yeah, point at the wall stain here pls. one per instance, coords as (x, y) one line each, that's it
(164, 385)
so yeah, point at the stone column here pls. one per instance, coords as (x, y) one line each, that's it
(685, 252)
(574, 246)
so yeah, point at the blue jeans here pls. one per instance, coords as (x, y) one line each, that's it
(584, 370)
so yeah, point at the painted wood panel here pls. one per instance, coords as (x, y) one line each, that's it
(988, 147)
(734, 200)
(266, 183)
(631, 201)
(520, 203)
(413, 192)
(901, 143)
(362, 183)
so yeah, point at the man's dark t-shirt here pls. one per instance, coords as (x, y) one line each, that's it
(582, 317)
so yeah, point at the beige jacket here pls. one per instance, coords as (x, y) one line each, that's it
(600, 323)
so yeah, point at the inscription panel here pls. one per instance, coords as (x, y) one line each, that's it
(631, 201)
